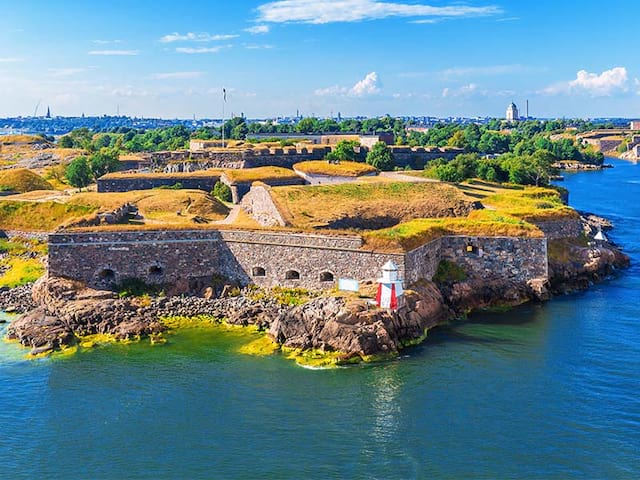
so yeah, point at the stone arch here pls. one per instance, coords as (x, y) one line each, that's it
(326, 277)
(258, 272)
(156, 271)
(107, 275)
(292, 275)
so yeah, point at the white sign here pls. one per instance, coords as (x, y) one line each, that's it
(348, 284)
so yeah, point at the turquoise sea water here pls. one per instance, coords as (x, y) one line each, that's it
(544, 391)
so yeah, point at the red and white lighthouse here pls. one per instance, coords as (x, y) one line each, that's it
(390, 292)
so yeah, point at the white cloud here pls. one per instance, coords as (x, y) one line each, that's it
(462, 91)
(596, 85)
(427, 21)
(194, 37)
(369, 85)
(116, 53)
(603, 84)
(129, 91)
(65, 72)
(253, 46)
(473, 90)
(176, 75)
(191, 50)
(328, 11)
(487, 70)
(10, 59)
(258, 29)
(106, 42)
(331, 91)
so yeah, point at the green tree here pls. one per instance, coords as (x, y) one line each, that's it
(78, 172)
(65, 142)
(540, 165)
(103, 162)
(345, 150)
(222, 191)
(457, 140)
(240, 131)
(448, 173)
(103, 141)
(308, 125)
(381, 157)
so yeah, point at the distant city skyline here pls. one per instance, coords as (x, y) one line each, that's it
(321, 57)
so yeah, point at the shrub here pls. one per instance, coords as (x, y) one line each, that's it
(135, 287)
(381, 157)
(449, 272)
(222, 191)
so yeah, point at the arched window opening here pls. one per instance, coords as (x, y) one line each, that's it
(107, 275)
(259, 272)
(326, 277)
(155, 270)
(292, 275)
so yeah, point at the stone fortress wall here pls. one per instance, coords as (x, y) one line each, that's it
(104, 259)
(118, 183)
(191, 161)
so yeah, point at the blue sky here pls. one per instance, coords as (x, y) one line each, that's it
(357, 57)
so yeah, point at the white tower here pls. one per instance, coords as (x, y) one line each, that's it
(512, 112)
(390, 292)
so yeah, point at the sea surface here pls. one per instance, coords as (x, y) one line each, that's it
(541, 392)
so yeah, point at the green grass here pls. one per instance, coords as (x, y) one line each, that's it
(531, 204)
(448, 272)
(39, 216)
(259, 174)
(315, 206)
(177, 175)
(22, 180)
(282, 295)
(11, 247)
(409, 235)
(342, 169)
(21, 271)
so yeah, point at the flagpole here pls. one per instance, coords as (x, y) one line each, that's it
(224, 100)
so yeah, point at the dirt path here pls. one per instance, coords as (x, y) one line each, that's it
(233, 214)
(403, 177)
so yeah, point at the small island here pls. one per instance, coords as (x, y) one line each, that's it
(274, 237)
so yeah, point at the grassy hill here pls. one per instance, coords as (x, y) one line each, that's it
(342, 169)
(22, 180)
(369, 205)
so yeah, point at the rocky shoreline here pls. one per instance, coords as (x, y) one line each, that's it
(350, 328)
(58, 312)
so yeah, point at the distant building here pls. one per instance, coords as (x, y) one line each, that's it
(418, 129)
(512, 112)
(634, 125)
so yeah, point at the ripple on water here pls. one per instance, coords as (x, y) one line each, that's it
(545, 391)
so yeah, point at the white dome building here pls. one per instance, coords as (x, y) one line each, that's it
(512, 112)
